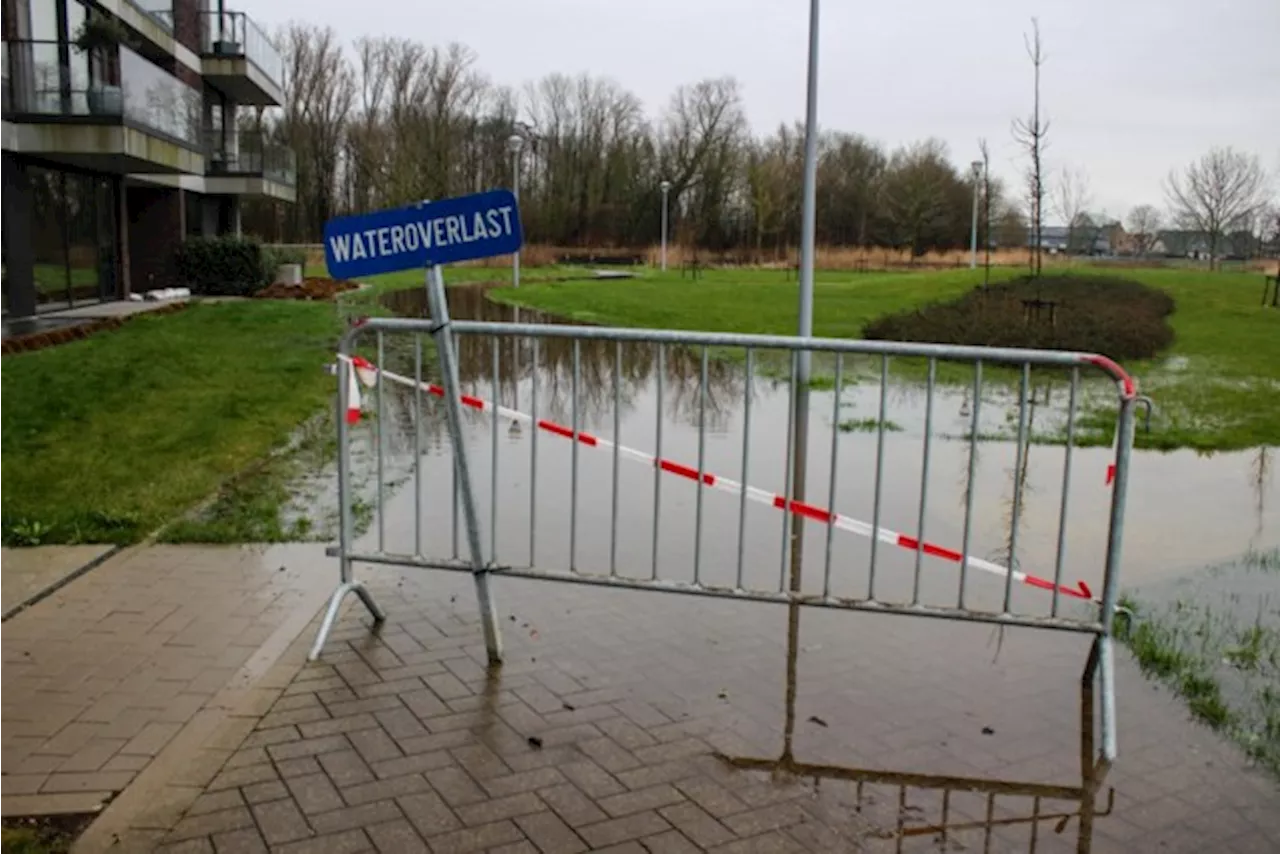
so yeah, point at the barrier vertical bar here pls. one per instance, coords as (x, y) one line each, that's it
(346, 523)
(875, 507)
(747, 383)
(924, 479)
(788, 498)
(382, 441)
(533, 456)
(573, 483)
(417, 445)
(617, 445)
(1060, 558)
(1110, 585)
(446, 353)
(965, 539)
(702, 468)
(493, 461)
(657, 469)
(831, 488)
(1020, 456)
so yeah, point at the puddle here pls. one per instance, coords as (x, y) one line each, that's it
(1186, 510)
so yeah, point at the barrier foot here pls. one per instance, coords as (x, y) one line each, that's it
(335, 605)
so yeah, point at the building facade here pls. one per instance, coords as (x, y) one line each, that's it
(128, 126)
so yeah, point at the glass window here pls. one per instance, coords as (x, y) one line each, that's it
(73, 232)
(49, 237)
(43, 21)
(82, 236)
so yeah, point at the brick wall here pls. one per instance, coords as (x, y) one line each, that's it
(186, 24)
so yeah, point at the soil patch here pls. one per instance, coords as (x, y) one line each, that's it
(1114, 316)
(43, 834)
(312, 288)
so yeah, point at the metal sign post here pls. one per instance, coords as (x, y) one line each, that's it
(427, 234)
(439, 309)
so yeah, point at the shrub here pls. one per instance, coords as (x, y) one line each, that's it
(1113, 316)
(277, 255)
(224, 266)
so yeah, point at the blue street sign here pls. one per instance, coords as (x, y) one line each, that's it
(422, 235)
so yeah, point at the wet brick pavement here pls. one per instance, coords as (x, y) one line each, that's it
(600, 732)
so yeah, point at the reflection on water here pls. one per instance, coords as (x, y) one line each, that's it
(1185, 510)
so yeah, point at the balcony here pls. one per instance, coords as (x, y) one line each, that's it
(246, 162)
(240, 60)
(111, 112)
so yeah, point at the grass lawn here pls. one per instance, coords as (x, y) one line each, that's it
(108, 438)
(1222, 391)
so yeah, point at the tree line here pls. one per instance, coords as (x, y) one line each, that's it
(396, 121)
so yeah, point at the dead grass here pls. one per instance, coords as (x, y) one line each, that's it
(828, 258)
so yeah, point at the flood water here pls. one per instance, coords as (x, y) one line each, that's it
(1185, 510)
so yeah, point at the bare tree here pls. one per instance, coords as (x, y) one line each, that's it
(1220, 191)
(1030, 133)
(1143, 224)
(1071, 199)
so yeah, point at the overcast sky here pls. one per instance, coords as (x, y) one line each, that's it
(1131, 87)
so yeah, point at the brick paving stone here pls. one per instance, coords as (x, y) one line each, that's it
(345, 767)
(213, 822)
(643, 799)
(280, 821)
(572, 805)
(475, 838)
(770, 843)
(550, 834)
(711, 796)
(396, 837)
(374, 745)
(314, 793)
(360, 816)
(347, 842)
(455, 786)
(414, 764)
(308, 747)
(428, 813)
(364, 793)
(189, 846)
(591, 778)
(697, 824)
(671, 842)
(500, 808)
(525, 781)
(246, 841)
(268, 790)
(623, 829)
(214, 801)
(333, 726)
(300, 767)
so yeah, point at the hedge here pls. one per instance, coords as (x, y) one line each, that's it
(225, 266)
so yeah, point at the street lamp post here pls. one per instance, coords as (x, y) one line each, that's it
(973, 230)
(514, 143)
(666, 188)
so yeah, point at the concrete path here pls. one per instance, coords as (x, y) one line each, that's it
(607, 727)
(26, 573)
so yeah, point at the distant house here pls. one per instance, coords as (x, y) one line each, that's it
(1060, 238)
(1196, 245)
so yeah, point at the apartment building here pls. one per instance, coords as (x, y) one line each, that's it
(128, 126)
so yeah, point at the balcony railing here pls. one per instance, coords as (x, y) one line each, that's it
(235, 34)
(249, 153)
(49, 78)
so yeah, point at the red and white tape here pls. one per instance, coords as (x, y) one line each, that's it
(367, 373)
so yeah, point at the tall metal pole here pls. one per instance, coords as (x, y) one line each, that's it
(514, 143)
(973, 231)
(666, 188)
(800, 415)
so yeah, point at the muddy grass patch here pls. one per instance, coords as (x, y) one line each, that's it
(1214, 638)
(43, 834)
(1114, 316)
